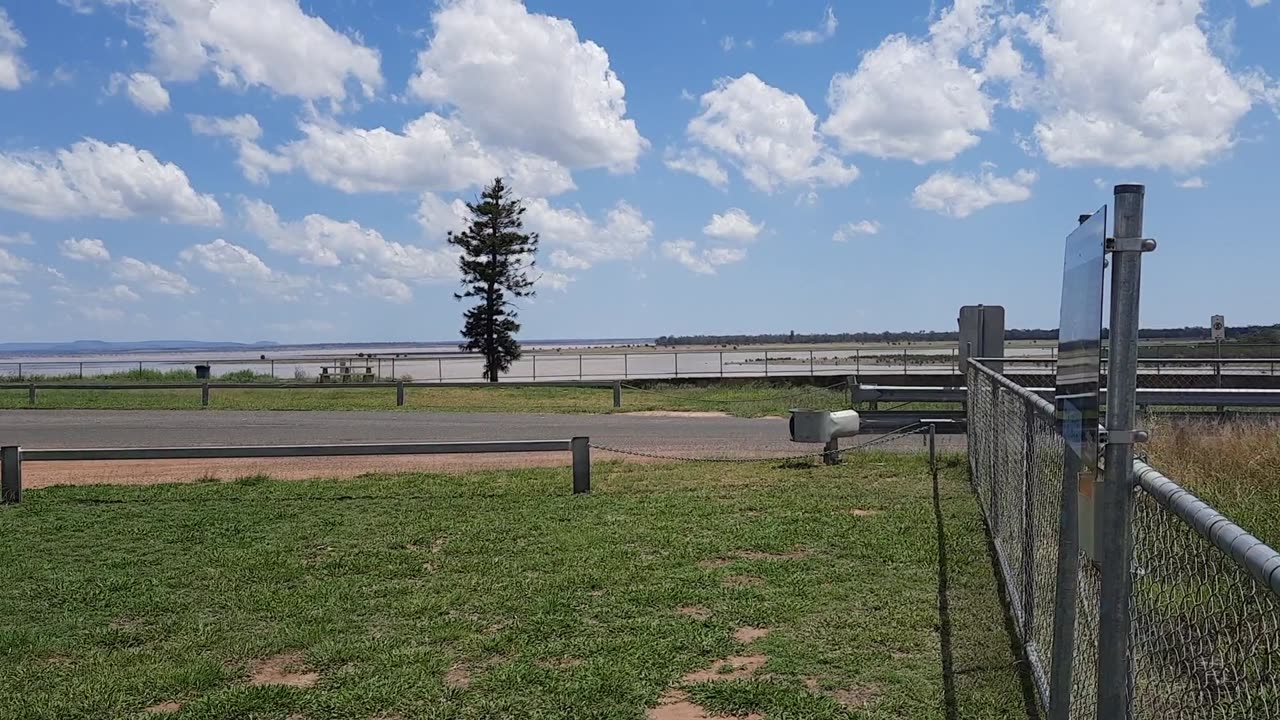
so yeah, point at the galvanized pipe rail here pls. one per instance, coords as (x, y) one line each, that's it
(12, 457)
(1191, 397)
(1247, 551)
(399, 385)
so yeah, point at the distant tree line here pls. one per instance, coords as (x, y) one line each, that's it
(1239, 334)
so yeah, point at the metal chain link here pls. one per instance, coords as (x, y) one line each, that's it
(900, 433)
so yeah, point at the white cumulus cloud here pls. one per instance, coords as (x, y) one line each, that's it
(581, 241)
(85, 250)
(1133, 84)
(913, 98)
(12, 70)
(95, 179)
(733, 224)
(438, 218)
(850, 230)
(244, 131)
(1194, 182)
(825, 31)
(386, 288)
(240, 266)
(320, 240)
(525, 80)
(151, 277)
(962, 195)
(430, 153)
(769, 134)
(11, 266)
(702, 261)
(247, 43)
(143, 89)
(696, 163)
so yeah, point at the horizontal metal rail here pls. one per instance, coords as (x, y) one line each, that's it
(276, 451)
(1250, 553)
(13, 457)
(1191, 397)
(1142, 360)
(298, 385)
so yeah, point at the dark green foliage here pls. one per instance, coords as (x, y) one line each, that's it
(496, 255)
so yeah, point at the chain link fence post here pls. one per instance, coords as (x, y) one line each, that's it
(1115, 516)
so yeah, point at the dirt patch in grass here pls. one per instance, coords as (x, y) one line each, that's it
(694, 611)
(749, 634)
(855, 698)
(282, 669)
(457, 677)
(744, 581)
(862, 512)
(675, 705)
(164, 708)
(734, 667)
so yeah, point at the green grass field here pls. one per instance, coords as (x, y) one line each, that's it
(743, 400)
(1230, 464)
(500, 595)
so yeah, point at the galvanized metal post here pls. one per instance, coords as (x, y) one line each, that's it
(273, 368)
(810, 363)
(857, 360)
(139, 367)
(721, 363)
(393, 367)
(1028, 520)
(31, 394)
(581, 448)
(10, 474)
(933, 450)
(766, 363)
(992, 451)
(81, 371)
(904, 363)
(204, 395)
(617, 393)
(676, 356)
(440, 369)
(1115, 512)
(831, 452)
(19, 372)
(579, 366)
(399, 393)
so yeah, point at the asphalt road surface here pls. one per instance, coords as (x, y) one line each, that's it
(685, 436)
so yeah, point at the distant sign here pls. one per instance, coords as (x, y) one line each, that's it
(1218, 325)
(1079, 381)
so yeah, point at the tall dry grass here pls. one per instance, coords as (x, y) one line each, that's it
(1232, 464)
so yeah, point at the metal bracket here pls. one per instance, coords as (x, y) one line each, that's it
(1125, 437)
(1114, 245)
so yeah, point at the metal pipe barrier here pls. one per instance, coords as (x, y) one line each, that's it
(13, 457)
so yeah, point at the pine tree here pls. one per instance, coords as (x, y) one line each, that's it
(496, 255)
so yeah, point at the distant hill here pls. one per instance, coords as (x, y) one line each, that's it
(103, 346)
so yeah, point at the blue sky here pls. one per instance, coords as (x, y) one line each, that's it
(264, 169)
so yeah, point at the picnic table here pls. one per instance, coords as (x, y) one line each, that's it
(346, 371)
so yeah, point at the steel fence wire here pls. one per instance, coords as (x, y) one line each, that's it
(1206, 595)
(1206, 641)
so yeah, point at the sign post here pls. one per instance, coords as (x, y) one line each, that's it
(1077, 398)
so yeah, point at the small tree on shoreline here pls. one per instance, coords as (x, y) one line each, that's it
(496, 257)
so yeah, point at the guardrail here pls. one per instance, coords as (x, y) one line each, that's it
(12, 457)
(1191, 397)
(205, 388)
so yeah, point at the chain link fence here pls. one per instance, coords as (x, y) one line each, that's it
(1206, 594)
